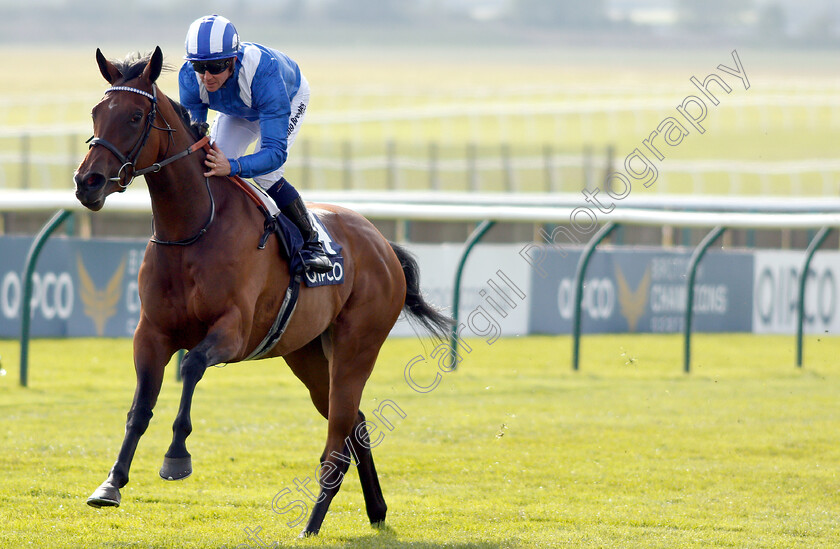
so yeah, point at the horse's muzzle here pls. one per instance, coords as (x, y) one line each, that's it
(90, 190)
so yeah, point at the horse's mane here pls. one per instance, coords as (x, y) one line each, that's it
(184, 114)
(132, 67)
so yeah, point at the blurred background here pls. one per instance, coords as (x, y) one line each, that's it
(488, 96)
(628, 22)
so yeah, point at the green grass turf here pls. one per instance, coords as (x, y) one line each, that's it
(512, 450)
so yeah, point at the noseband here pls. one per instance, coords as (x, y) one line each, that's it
(129, 161)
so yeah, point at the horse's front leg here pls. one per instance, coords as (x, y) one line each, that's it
(151, 353)
(222, 344)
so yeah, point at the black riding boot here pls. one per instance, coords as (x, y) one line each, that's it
(314, 256)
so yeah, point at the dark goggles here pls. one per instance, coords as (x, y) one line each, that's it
(213, 67)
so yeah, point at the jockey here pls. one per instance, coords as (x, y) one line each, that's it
(260, 96)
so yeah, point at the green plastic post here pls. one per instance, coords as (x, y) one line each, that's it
(474, 238)
(813, 246)
(179, 359)
(698, 254)
(26, 306)
(583, 263)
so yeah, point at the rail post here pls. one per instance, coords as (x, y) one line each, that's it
(26, 306)
(696, 256)
(178, 360)
(347, 165)
(25, 159)
(583, 263)
(474, 238)
(813, 246)
(306, 164)
(434, 166)
(473, 183)
(391, 176)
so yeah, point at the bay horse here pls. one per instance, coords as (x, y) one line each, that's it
(205, 286)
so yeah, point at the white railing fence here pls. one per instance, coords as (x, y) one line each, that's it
(27, 164)
(518, 138)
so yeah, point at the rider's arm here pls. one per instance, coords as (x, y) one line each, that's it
(270, 98)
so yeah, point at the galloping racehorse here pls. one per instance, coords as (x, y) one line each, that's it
(205, 286)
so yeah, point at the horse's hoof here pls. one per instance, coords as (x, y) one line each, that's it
(307, 534)
(176, 468)
(105, 496)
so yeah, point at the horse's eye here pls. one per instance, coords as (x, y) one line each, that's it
(138, 116)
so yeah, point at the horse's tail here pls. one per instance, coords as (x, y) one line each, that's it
(417, 308)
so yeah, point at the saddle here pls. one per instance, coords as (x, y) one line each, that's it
(291, 241)
(291, 249)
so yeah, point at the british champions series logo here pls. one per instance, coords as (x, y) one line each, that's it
(633, 303)
(100, 305)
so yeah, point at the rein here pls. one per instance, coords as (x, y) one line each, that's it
(130, 160)
(192, 239)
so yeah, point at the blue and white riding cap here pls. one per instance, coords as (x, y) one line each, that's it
(211, 37)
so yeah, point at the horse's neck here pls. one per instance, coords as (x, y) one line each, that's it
(181, 203)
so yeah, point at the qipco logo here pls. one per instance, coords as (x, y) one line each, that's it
(52, 295)
(598, 298)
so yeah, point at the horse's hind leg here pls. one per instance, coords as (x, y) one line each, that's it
(150, 357)
(351, 363)
(311, 366)
(219, 346)
(360, 446)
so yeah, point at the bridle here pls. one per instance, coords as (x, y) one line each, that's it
(130, 160)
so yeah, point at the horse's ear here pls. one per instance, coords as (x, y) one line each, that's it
(108, 70)
(152, 70)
